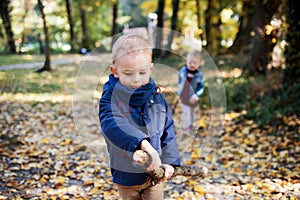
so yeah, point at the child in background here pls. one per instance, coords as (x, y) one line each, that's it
(190, 88)
(133, 116)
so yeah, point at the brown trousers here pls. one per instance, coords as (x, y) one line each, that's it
(145, 191)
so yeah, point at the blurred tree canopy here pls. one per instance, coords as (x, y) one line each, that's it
(259, 29)
(261, 35)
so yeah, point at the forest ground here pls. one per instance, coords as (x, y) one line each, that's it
(44, 156)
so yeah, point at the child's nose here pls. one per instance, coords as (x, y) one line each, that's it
(135, 78)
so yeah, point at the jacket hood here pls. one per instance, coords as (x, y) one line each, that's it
(130, 96)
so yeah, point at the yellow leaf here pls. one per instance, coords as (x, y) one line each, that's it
(65, 197)
(43, 180)
(266, 186)
(95, 191)
(246, 130)
(202, 122)
(45, 140)
(60, 180)
(208, 159)
(247, 187)
(189, 162)
(69, 173)
(192, 182)
(232, 115)
(66, 142)
(98, 183)
(199, 189)
(196, 154)
(229, 129)
(88, 183)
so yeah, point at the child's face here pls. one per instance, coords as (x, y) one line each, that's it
(133, 69)
(193, 63)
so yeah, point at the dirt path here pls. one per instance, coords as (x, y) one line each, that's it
(55, 60)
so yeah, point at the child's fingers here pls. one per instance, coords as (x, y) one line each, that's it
(169, 171)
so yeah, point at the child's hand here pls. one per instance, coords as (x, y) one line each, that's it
(194, 99)
(155, 159)
(169, 171)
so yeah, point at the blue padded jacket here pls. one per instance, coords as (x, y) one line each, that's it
(128, 116)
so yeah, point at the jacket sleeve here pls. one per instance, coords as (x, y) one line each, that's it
(170, 154)
(200, 86)
(180, 80)
(117, 130)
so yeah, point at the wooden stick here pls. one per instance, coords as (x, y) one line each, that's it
(143, 159)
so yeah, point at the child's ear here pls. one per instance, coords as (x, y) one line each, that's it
(113, 70)
(202, 63)
(151, 67)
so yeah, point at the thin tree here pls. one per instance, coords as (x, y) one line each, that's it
(71, 24)
(174, 19)
(198, 13)
(46, 66)
(5, 16)
(208, 23)
(212, 20)
(26, 9)
(114, 29)
(160, 24)
(84, 36)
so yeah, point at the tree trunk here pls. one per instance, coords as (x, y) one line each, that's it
(84, 36)
(26, 9)
(40, 42)
(71, 25)
(160, 24)
(143, 159)
(208, 14)
(261, 43)
(243, 36)
(114, 29)
(212, 21)
(4, 12)
(292, 56)
(175, 7)
(198, 12)
(46, 66)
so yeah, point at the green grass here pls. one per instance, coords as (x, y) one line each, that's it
(10, 59)
(17, 59)
(59, 80)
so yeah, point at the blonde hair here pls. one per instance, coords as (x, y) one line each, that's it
(195, 54)
(130, 43)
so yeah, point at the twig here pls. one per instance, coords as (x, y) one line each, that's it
(143, 159)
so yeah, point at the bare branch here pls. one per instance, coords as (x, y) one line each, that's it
(143, 159)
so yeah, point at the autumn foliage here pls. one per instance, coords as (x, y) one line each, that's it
(43, 157)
